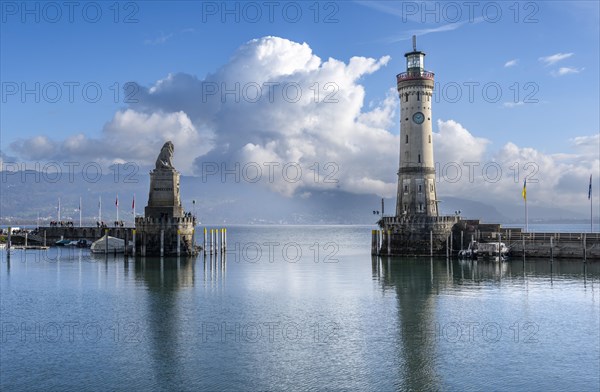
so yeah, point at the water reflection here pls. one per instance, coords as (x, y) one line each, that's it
(415, 284)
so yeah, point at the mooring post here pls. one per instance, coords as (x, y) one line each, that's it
(462, 233)
(162, 242)
(106, 241)
(430, 242)
(126, 242)
(143, 246)
(447, 246)
(204, 243)
(584, 247)
(8, 240)
(134, 242)
(178, 242)
(551, 248)
(44, 238)
(389, 242)
(373, 242)
(26, 239)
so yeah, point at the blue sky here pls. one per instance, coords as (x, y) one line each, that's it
(547, 51)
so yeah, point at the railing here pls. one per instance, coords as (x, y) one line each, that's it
(414, 75)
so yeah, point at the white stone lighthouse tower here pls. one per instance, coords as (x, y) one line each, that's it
(416, 176)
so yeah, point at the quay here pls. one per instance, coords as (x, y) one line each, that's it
(581, 246)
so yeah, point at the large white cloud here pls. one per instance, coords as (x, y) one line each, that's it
(275, 101)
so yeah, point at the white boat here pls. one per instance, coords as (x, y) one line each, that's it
(484, 249)
(115, 245)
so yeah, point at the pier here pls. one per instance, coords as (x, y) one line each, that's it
(580, 246)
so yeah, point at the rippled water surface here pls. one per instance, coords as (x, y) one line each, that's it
(297, 308)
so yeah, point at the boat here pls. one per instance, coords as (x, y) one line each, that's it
(110, 244)
(63, 242)
(478, 250)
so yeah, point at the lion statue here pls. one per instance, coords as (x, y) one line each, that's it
(165, 158)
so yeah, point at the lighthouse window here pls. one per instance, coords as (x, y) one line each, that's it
(419, 158)
(405, 188)
(406, 138)
(430, 187)
(405, 97)
(429, 139)
(420, 207)
(418, 96)
(420, 189)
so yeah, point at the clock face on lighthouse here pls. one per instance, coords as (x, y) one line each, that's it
(418, 117)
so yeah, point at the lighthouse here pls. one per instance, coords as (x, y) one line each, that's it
(416, 175)
(417, 228)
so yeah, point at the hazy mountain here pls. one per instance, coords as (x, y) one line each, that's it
(25, 194)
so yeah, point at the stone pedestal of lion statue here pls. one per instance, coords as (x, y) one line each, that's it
(165, 230)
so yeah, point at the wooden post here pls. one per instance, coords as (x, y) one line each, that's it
(8, 239)
(447, 246)
(204, 243)
(551, 248)
(162, 242)
(106, 241)
(373, 242)
(26, 239)
(430, 242)
(143, 244)
(126, 242)
(389, 242)
(44, 238)
(178, 243)
(134, 243)
(584, 248)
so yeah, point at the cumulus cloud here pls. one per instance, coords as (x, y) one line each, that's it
(278, 106)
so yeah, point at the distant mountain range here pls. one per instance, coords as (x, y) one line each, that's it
(24, 195)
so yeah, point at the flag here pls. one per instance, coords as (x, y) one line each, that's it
(590, 188)
(524, 192)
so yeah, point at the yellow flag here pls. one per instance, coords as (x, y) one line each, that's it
(524, 192)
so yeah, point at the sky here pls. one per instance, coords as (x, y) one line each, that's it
(309, 86)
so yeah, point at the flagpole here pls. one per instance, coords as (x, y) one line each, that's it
(79, 211)
(100, 209)
(117, 203)
(59, 210)
(526, 218)
(591, 208)
(133, 205)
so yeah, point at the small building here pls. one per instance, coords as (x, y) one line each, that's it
(165, 229)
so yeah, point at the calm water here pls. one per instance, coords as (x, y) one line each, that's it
(297, 308)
